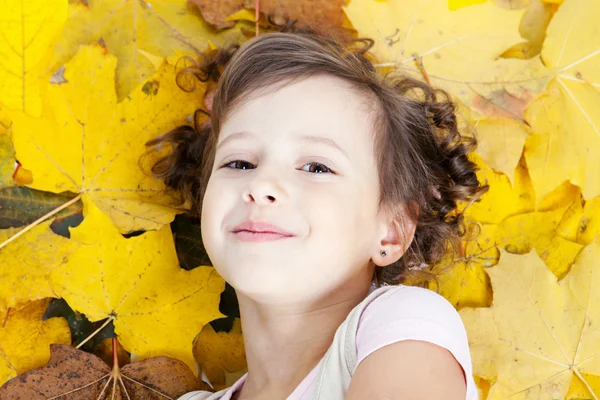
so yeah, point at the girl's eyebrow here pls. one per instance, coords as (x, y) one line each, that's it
(301, 139)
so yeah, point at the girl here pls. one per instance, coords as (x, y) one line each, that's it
(321, 185)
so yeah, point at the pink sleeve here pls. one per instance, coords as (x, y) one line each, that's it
(410, 312)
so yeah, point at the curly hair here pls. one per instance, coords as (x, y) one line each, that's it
(421, 155)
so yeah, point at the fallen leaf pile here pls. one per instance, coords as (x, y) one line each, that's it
(105, 289)
(91, 378)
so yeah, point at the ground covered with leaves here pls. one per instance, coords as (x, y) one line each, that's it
(105, 288)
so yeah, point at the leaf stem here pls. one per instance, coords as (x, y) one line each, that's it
(6, 317)
(95, 332)
(39, 220)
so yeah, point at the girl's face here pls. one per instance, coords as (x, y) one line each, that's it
(300, 157)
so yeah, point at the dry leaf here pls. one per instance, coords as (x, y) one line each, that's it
(27, 262)
(454, 50)
(500, 143)
(75, 374)
(566, 119)
(24, 338)
(157, 308)
(86, 143)
(502, 200)
(29, 31)
(158, 27)
(538, 332)
(324, 16)
(221, 355)
(465, 283)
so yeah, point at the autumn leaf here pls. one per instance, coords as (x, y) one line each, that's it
(21, 206)
(454, 50)
(323, 16)
(24, 338)
(28, 261)
(500, 143)
(508, 218)
(72, 373)
(157, 308)
(503, 199)
(566, 119)
(132, 30)
(539, 230)
(29, 31)
(588, 228)
(532, 28)
(221, 355)
(462, 279)
(559, 318)
(90, 145)
(217, 13)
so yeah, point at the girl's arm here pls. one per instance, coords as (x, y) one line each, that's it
(408, 370)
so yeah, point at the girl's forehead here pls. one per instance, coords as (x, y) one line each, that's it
(317, 101)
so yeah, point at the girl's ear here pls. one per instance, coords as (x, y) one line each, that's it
(397, 235)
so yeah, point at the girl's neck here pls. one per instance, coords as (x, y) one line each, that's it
(283, 346)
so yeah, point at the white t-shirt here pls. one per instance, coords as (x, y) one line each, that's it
(400, 313)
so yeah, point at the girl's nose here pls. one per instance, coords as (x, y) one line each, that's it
(264, 189)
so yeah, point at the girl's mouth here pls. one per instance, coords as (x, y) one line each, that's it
(249, 236)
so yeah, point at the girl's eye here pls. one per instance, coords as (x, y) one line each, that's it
(321, 167)
(235, 162)
(240, 163)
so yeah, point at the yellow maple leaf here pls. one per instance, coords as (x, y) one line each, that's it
(581, 222)
(221, 355)
(86, 143)
(500, 143)
(521, 233)
(521, 224)
(454, 50)
(538, 332)
(462, 280)
(503, 199)
(29, 31)
(157, 307)
(566, 119)
(25, 339)
(507, 217)
(157, 27)
(27, 262)
(533, 29)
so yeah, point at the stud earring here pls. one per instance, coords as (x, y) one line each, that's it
(383, 253)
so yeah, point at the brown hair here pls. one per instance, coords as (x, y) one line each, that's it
(421, 156)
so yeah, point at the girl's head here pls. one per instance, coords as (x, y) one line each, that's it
(305, 135)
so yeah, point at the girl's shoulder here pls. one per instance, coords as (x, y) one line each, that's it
(396, 313)
(408, 302)
(204, 395)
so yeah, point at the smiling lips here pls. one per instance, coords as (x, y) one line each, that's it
(250, 231)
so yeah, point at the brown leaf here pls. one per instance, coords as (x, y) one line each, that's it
(77, 375)
(215, 12)
(324, 16)
(317, 14)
